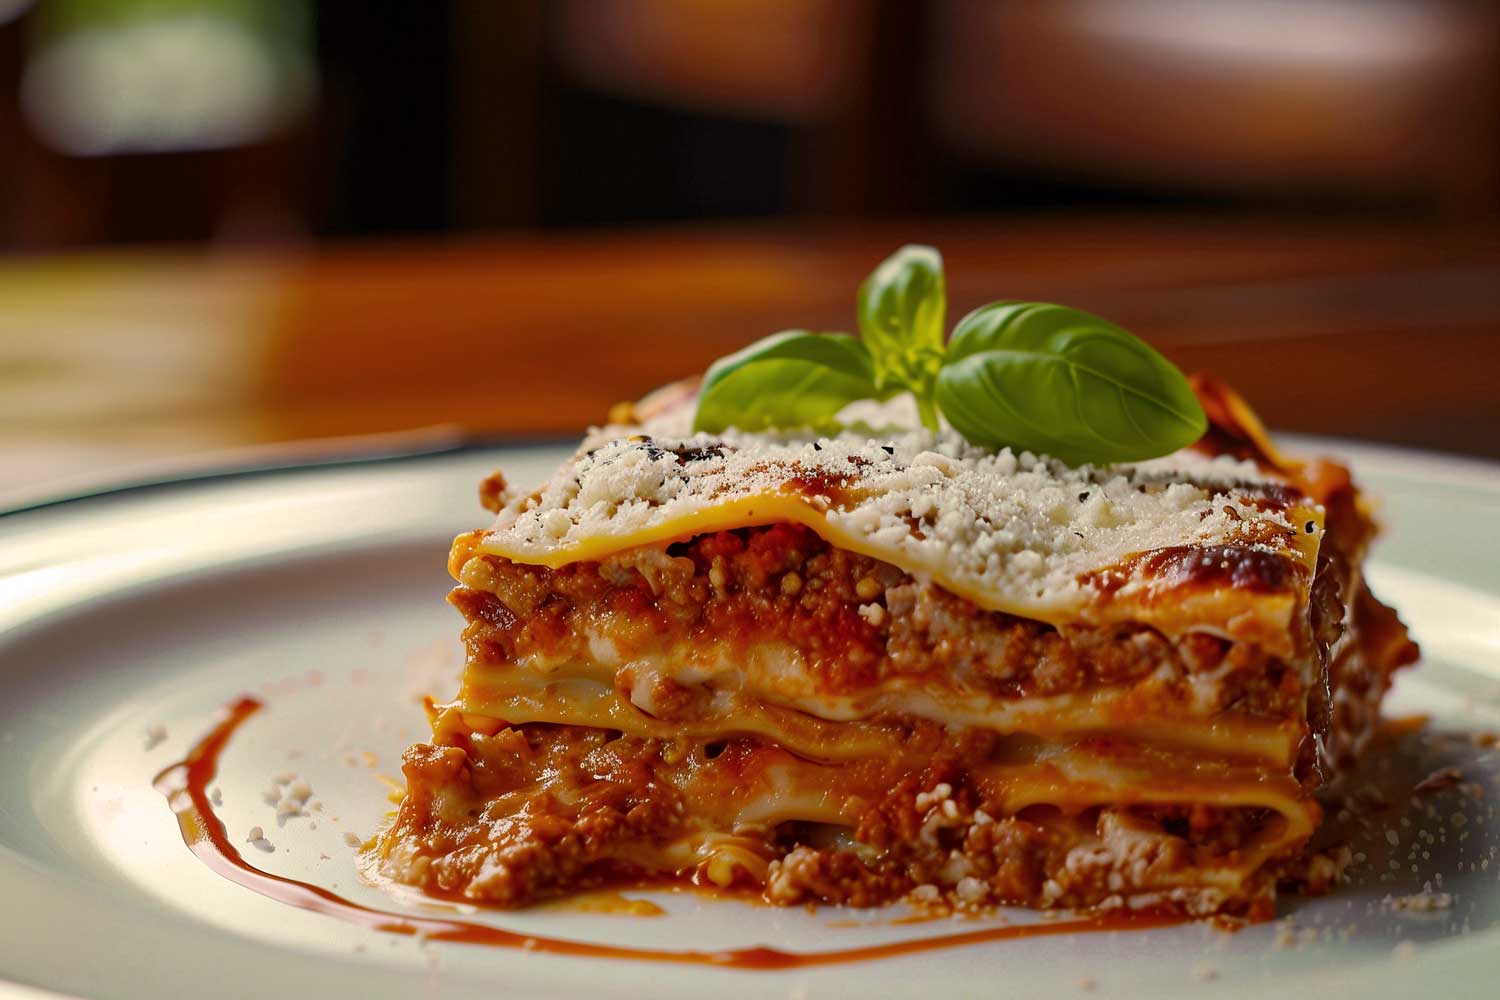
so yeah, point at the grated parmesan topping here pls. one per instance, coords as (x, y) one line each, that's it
(1023, 531)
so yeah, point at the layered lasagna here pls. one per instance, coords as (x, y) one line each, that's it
(889, 665)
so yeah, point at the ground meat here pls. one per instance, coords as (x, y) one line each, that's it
(534, 810)
(853, 622)
(526, 813)
(806, 873)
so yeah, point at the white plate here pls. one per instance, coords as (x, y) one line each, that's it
(321, 590)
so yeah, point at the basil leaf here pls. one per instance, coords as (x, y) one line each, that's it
(1051, 379)
(789, 379)
(901, 306)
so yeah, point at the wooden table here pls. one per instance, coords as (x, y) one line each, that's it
(112, 361)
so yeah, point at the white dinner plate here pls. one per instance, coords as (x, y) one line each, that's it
(128, 619)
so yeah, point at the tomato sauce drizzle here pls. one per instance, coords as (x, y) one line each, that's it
(185, 785)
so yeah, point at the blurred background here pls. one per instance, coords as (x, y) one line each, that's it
(237, 223)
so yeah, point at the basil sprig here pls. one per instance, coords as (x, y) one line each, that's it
(1027, 375)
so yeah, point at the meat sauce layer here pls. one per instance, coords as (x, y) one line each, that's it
(535, 810)
(854, 622)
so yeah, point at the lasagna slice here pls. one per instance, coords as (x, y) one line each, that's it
(856, 669)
